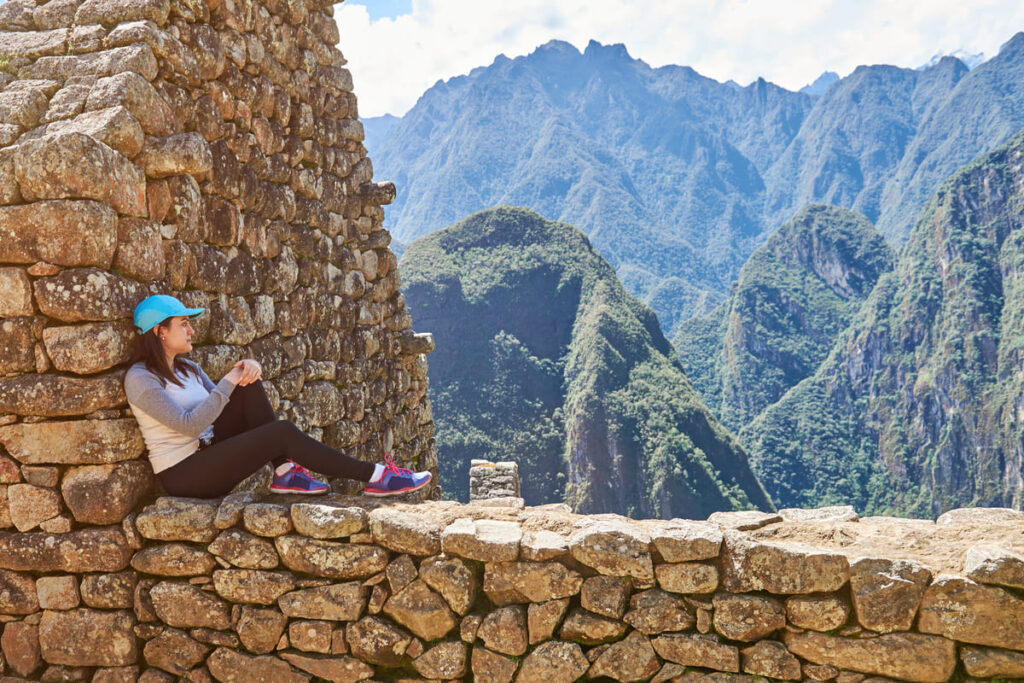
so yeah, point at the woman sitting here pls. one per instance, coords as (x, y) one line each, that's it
(204, 438)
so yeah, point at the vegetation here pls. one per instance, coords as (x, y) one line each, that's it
(543, 358)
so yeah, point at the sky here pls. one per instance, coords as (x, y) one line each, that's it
(397, 49)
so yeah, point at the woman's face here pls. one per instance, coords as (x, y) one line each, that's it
(176, 336)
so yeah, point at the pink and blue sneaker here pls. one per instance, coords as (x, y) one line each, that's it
(396, 480)
(297, 480)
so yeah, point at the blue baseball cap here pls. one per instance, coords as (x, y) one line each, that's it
(157, 308)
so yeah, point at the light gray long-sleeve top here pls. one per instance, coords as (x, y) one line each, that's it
(173, 418)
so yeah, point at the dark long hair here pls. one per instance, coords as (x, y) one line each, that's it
(148, 349)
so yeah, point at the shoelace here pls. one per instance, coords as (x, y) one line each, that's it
(390, 466)
(296, 467)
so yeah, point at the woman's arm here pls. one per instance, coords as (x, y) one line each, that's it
(145, 391)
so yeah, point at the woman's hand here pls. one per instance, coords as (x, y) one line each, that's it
(245, 372)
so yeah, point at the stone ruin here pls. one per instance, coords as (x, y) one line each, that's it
(211, 149)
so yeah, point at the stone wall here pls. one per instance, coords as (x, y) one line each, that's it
(210, 150)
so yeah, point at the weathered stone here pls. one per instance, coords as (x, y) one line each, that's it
(229, 666)
(15, 290)
(140, 251)
(749, 565)
(538, 546)
(174, 651)
(905, 656)
(244, 550)
(376, 641)
(336, 602)
(886, 593)
(817, 612)
(687, 577)
(32, 45)
(614, 549)
(744, 520)
(20, 644)
(58, 592)
(490, 667)
(697, 650)
(114, 127)
(138, 96)
(985, 662)
(326, 521)
(216, 638)
(183, 605)
(994, 566)
(979, 515)
(508, 582)
(84, 294)
(17, 346)
(747, 617)
(77, 166)
(446, 660)
(260, 629)
(606, 595)
(105, 494)
(963, 610)
(87, 637)
(109, 591)
(175, 155)
(772, 659)
(453, 579)
(330, 559)
(655, 611)
(685, 541)
(400, 572)
(41, 475)
(78, 442)
(229, 512)
(403, 532)
(22, 108)
(252, 585)
(30, 505)
(178, 519)
(832, 513)
(542, 619)
(267, 519)
(504, 630)
(421, 610)
(590, 629)
(311, 636)
(101, 549)
(631, 659)
(111, 13)
(338, 669)
(484, 540)
(17, 593)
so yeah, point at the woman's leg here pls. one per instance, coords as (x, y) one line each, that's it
(247, 409)
(216, 469)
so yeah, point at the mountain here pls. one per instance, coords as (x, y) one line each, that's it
(677, 178)
(794, 296)
(919, 406)
(543, 358)
(821, 83)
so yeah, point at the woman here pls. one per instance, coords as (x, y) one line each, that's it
(204, 438)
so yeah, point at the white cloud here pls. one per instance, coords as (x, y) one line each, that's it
(393, 61)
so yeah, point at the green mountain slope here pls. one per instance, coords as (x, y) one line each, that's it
(794, 296)
(543, 358)
(919, 406)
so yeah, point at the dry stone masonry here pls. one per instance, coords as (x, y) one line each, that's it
(211, 149)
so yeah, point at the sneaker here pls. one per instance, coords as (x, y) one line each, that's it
(396, 480)
(298, 480)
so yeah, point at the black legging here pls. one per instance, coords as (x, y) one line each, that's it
(246, 436)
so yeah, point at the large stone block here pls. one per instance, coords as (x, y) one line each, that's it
(78, 442)
(77, 166)
(89, 348)
(140, 252)
(173, 559)
(175, 652)
(260, 629)
(747, 617)
(655, 611)
(31, 45)
(139, 97)
(330, 559)
(886, 593)
(30, 505)
(590, 629)
(327, 521)
(504, 630)
(904, 656)
(87, 637)
(182, 154)
(817, 612)
(772, 659)
(377, 641)
(244, 550)
(421, 610)
(178, 519)
(134, 58)
(455, 580)
(333, 668)
(88, 550)
(58, 396)
(508, 582)
(17, 593)
(687, 577)
(972, 613)
(615, 549)
(336, 602)
(185, 606)
(20, 643)
(17, 344)
(228, 666)
(252, 585)
(995, 566)
(109, 591)
(403, 532)
(684, 541)
(88, 294)
(105, 494)
(115, 127)
(65, 232)
(983, 662)
(484, 540)
(110, 13)
(749, 565)
(631, 659)
(15, 291)
(697, 650)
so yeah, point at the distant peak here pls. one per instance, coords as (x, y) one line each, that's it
(596, 49)
(1013, 44)
(954, 59)
(820, 84)
(556, 47)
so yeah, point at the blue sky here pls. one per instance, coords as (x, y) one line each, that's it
(397, 49)
(384, 9)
